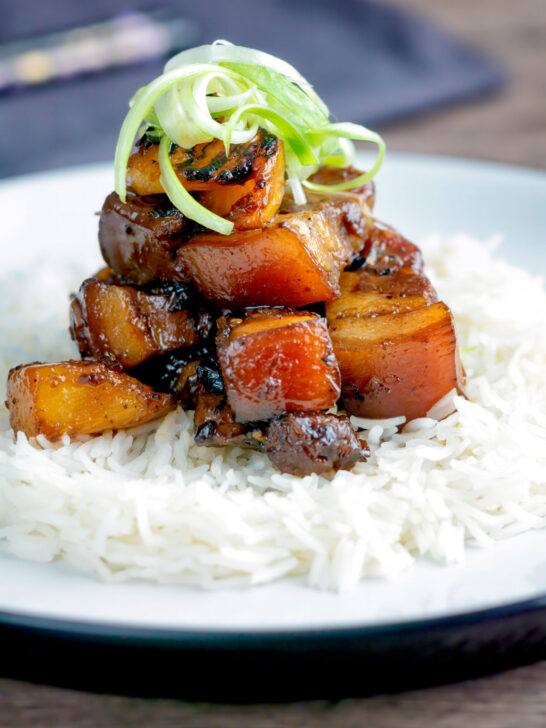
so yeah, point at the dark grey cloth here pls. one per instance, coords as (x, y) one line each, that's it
(372, 64)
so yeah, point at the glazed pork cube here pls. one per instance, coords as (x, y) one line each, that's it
(127, 326)
(275, 361)
(78, 398)
(394, 341)
(245, 187)
(305, 443)
(139, 237)
(364, 293)
(295, 260)
(397, 363)
(385, 251)
(214, 422)
(327, 175)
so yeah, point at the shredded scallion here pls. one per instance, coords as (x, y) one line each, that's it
(222, 91)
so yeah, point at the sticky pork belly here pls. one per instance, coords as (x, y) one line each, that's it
(138, 238)
(327, 175)
(299, 443)
(275, 361)
(305, 443)
(79, 398)
(295, 260)
(386, 251)
(246, 187)
(127, 326)
(394, 341)
(214, 422)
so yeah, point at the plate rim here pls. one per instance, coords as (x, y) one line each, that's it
(112, 631)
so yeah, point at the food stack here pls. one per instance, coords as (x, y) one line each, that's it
(273, 334)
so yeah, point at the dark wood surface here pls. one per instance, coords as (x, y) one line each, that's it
(509, 700)
(510, 127)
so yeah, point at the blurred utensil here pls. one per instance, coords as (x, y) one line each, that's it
(123, 40)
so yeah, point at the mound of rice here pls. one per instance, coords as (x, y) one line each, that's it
(149, 504)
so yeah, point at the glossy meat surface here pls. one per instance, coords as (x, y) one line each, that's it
(78, 398)
(367, 294)
(127, 326)
(246, 187)
(397, 364)
(395, 343)
(386, 251)
(326, 175)
(138, 238)
(294, 261)
(275, 361)
(214, 422)
(301, 444)
(174, 372)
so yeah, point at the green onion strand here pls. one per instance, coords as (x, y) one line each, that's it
(182, 199)
(227, 92)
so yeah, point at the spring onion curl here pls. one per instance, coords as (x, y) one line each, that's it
(222, 91)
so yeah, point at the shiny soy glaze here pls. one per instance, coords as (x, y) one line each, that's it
(275, 361)
(246, 187)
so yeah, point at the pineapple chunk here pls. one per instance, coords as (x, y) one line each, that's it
(246, 187)
(78, 398)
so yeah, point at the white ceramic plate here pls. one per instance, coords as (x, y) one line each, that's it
(417, 194)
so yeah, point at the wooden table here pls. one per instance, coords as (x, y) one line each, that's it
(516, 698)
(510, 127)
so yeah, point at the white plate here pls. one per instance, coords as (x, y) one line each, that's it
(417, 194)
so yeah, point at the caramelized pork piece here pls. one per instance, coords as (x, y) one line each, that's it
(275, 361)
(386, 251)
(369, 294)
(297, 443)
(78, 398)
(394, 342)
(294, 261)
(128, 326)
(305, 443)
(332, 176)
(397, 363)
(138, 238)
(214, 423)
(246, 187)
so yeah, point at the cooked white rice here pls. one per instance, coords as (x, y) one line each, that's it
(149, 504)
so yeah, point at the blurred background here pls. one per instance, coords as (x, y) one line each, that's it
(456, 77)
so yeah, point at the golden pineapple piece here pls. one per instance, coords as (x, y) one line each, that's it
(246, 187)
(78, 398)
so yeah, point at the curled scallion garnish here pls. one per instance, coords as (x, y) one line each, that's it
(226, 92)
